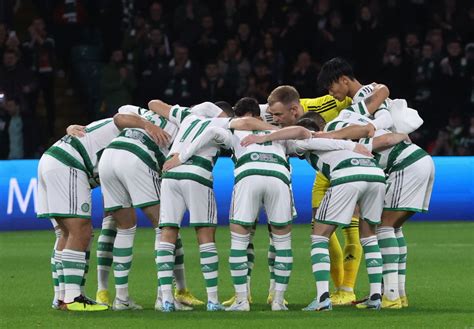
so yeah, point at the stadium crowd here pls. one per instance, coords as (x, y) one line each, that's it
(131, 51)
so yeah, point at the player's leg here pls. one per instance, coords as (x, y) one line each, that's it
(105, 247)
(152, 213)
(238, 262)
(54, 272)
(126, 221)
(69, 204)
(86, 270)
(371, 204)
(352, 258)
(320, 186)
(203, 216)
(278, 206)
(336, 209)
(172, 209)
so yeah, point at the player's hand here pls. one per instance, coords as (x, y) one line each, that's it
(158, 135)
(361, 149)
(76, 130)
(172, 163)
(370, 130)
(252, 139)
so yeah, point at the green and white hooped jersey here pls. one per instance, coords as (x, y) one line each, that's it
(138, 142)
(345, 166)
(266, 159)
(397, 157)
(199, 167)
(83, 153)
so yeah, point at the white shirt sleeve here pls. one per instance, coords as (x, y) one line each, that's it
(323, 144)
(178, 114)
(219, 136)
(382, 119)
(131, 109)
(207, 110)
(221, 123)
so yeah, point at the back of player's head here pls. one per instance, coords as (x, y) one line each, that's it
(312, 121)
(284, 94)
(245, 106)
(334, 69)
(226, 107)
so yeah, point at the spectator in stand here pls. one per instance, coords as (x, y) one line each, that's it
(393, 70)
(367, 33)
(157, 18)
(207, 46)
(466, 144)
(293, 35)
(212, 85)
(3, 38)
(424, 75)
(435, 38)
(16, 80)
(441, 146)
(260, 16)
(117, 84)
(263, 81)
(302, 76)
(454, 78)
(228, 16)
(13, 42)
(4, 121)
(335, 39)
(469, 50)
(180, 77)
(187, 20)
(319, 21)
(15, 129)
(151, 62)
(234, 66)
(272, 56)
(246, 40)
(135, 38)
(40, 48)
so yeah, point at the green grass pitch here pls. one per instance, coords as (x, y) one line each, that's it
(440, 285)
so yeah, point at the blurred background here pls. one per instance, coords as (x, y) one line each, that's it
(75, 61)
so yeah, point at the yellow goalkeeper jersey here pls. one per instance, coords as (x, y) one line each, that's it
(327, 106)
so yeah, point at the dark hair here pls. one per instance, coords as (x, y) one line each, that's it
(226, 107)
(312, 121)
(334, 69)
(247, 105)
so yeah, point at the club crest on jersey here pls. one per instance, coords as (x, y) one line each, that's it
(85, 207)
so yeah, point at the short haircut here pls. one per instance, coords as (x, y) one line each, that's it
(334, 69)
(284, 94)
(247, 105)
(226, 107)
(312, 121)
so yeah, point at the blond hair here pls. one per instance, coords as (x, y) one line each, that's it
(284, 94)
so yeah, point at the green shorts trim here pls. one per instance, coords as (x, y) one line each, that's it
(407, 209)
(238, 222)
(53, 215)
(370, 222)
(202, 225)
(168, 225)
(281, 224)
(114, 208)
(328, 222)
(146, 204)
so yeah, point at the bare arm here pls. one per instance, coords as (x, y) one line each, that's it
(350, 132)
(160, 107)
(212, 134)
(294, 132)
(378, 96)
(158, 135)
(383, 142)
(248, 123)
